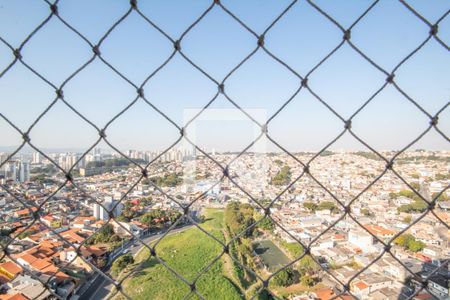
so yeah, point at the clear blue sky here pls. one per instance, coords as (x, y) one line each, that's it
(301, 38)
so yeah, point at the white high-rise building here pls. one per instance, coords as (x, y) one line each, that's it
(24, 172)
(36, 158)
(97, 154)
(10, 169)
(96, 210)
(101, 213)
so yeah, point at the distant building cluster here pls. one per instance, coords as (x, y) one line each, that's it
(305, 210)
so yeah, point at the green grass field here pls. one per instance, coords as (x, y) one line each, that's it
(187, 253)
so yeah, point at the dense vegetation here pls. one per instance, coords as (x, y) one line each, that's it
(42, 179)
(238, 217)
(283, 278)
(153, 218)
(306, 268)
(159, 216)
(441, 197)
(169, 180)
(324, 205)
(26, 233)
(368, 155)
(440, 176)
(105, 235)
(283, 177)
(421, 157)
(418, 205)
(121, 263)
(407, 241)
(48, 169)
(111, 163)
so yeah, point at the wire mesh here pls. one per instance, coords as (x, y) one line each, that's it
(259, 46)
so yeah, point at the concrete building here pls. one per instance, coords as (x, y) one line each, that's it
(362, 240)
(101, 212)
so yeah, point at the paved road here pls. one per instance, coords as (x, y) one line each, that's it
(101, 287)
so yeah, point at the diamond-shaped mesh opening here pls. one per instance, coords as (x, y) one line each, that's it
(97, 225)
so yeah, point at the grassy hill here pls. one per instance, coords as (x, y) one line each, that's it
(187, 253)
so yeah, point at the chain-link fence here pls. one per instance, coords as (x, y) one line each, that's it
(140, 96)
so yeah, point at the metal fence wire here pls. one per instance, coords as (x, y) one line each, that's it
(260, 45)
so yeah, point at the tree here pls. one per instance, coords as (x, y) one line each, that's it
(122, 262)
(238, 217)
(440, 176)
(417, 206)
(407, 219)
(108, 229)
(441, 197)
(284, 277)
(104, 235)
(366, 212)
(415, 176)
(407, 241)
(403, 240)
(278, 162)
(416, 246)
(170, 180)
(310, 206)
(145, 201)
(283, 177)
(307, 265)
(307, 280)
(327, 205)
(266, 224)
(415, 185)
(127, 213)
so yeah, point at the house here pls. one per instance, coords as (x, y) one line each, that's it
(328, 293)
(380, 231)
(24, 213)
(10, 269)
(362, 240)
(360, 288)
(17, 296)
(52, 221)
(28, 287)
(386, 294)
(377, 281)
